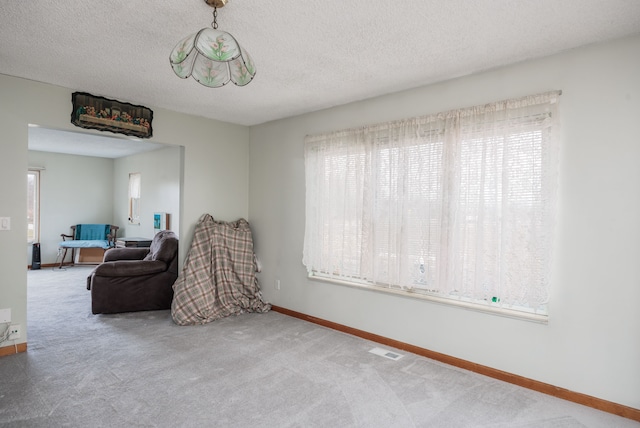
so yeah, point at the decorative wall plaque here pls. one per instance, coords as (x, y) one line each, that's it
(103, 114)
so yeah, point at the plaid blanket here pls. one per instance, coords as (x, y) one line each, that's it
(219, 274)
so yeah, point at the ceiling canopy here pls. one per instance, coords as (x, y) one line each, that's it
(309, 55)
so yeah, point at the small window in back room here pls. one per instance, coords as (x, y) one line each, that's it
(33, 205)
(134, 198)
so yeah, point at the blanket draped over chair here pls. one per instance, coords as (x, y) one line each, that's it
(219, 274)
(90, 236)
(86, 232)
(86, 236)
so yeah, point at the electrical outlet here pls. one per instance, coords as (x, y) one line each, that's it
(14, 332)
(5, 315)
(277, 284)
(5, 223)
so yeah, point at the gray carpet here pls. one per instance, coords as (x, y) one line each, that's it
(267, 370)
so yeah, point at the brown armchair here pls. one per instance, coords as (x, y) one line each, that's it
(136, 279)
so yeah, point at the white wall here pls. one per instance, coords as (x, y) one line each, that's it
(592, 341)
(161, 175)
(73, 189)
(215, 158)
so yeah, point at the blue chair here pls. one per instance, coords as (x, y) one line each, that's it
(87, 236)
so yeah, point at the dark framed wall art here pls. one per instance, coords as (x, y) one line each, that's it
(103, 114)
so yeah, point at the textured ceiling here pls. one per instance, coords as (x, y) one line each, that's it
(310, 55)
(102, 145)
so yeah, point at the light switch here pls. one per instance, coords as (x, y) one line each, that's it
(5, 223)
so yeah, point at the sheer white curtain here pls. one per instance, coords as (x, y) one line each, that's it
(459, 204)
(134, 197)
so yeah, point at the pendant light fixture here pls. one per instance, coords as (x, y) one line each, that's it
(212, 57)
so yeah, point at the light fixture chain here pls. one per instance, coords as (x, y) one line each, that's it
(215, 18)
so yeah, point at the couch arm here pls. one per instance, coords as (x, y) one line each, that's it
(125, 254)
(130, 268)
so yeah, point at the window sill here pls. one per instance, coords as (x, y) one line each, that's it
(492, 310)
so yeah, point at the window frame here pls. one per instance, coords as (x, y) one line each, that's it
(350, 276)
(36, 205)
(134, 196)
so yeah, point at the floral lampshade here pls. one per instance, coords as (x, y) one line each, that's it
(213, 58)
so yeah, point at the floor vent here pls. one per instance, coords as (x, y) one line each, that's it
(387, 354)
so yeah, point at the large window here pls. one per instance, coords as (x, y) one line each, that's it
(33, 206)
(457, 207)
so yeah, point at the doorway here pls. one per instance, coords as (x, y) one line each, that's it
(84, 179)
